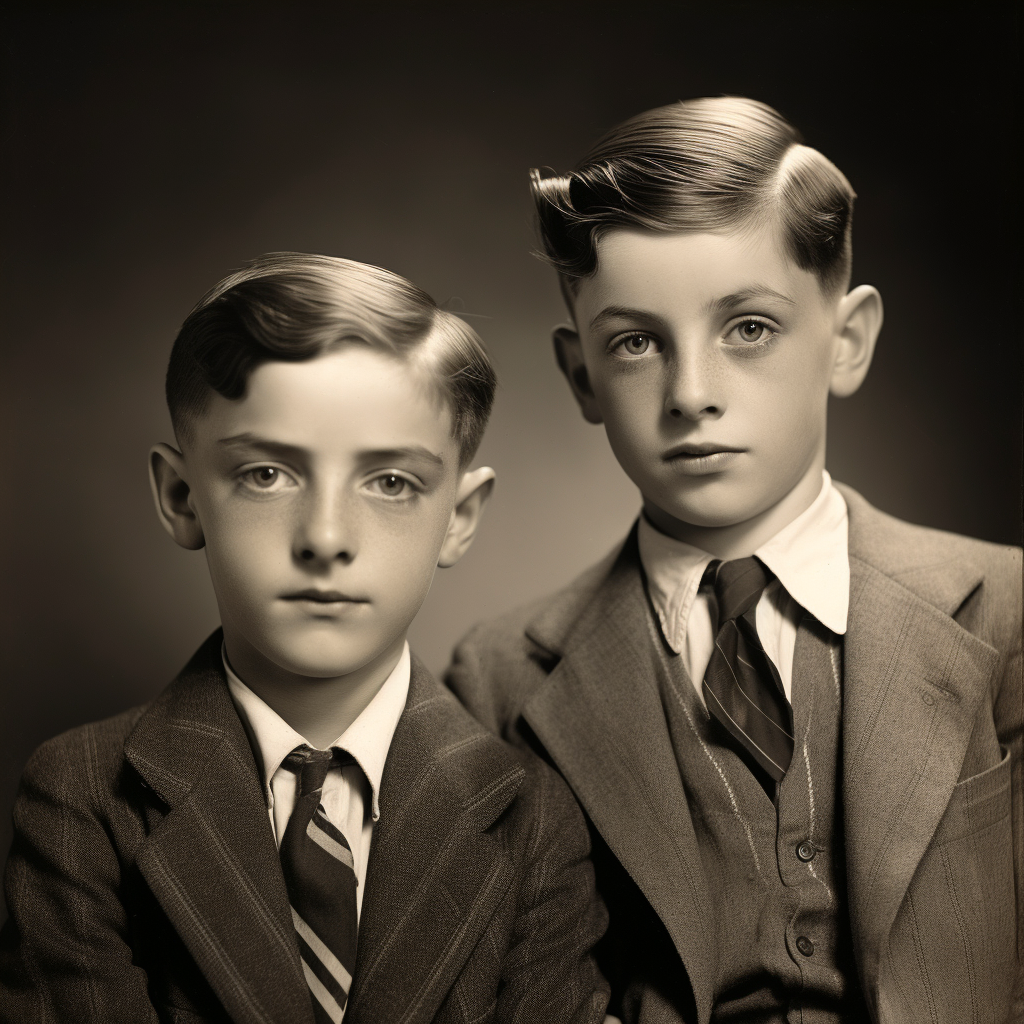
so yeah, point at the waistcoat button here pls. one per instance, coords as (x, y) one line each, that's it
(805, 945)
(805, 851)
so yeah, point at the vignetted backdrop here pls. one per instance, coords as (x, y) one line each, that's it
(149, 148)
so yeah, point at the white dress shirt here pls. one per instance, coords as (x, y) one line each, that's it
(350, 794)
(810, 560)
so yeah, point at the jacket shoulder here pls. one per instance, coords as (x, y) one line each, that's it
(908, 552)
(499, 663)
(85, 760)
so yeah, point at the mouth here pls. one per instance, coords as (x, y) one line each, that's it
(700, 451)
(702, 460)
(323, 597)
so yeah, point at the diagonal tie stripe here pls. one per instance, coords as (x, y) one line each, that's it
(318, 868)
(742, 688)
(324, 1003)
(328, 838)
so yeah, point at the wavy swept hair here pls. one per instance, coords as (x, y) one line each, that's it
(699, 165)
(293, 306)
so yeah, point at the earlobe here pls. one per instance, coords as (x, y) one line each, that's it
(475, 488)
(167, 480)
(858, 321)
(569, 354)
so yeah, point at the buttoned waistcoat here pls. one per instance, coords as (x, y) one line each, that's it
(931, 776)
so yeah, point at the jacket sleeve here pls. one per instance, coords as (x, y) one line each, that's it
(65, 952)
(549, 972)
(1009, 721)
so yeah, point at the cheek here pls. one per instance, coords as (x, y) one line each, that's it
(243, 547)
(630, 403)
(407, 546)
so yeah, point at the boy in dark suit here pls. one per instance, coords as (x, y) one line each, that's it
(794, 723)
(305, 826)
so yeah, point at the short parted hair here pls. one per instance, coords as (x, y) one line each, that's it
(699, 165)
(292, 306)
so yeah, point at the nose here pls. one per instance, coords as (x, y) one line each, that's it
(325, 531)
(695, 388)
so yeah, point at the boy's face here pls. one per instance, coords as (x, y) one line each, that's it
(709, 358)
(325, 498)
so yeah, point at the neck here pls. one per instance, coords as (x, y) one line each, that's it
(738, 540)
(319, 709)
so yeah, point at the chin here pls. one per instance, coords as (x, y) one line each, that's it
(708, 513)
(317, 657)
(710, 519)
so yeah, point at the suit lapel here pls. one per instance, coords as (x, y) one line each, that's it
(601, 719)
(913, 680)
(435, 875)
(212, 862)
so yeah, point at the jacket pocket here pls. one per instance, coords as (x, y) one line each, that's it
(976, 803)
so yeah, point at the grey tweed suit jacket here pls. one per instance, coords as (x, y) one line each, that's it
(144, 884)
(932, 773)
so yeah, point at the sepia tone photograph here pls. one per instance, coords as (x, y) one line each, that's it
(529, 499)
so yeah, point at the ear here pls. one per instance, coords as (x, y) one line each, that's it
(858, 321)
(474, 489)
(171, 495)
(569, 353)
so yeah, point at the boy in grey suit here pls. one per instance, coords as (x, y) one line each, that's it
(305, 826)
(793, 723)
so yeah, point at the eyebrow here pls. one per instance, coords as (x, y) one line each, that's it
(281, 450)
(744, 295)
(720, 305)
(610, 313)
(263, 444)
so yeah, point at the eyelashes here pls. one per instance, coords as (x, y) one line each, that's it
(272, 480)
(750, 334)
(635, 345)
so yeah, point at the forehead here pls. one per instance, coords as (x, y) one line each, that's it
(350, 398)
(673, 271)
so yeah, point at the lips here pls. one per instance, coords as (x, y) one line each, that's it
(322, 596)
(699, 451)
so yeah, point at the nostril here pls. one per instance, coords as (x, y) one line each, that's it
(306, 555)
(675, 413)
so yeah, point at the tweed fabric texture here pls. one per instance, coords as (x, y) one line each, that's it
(775, 870)
(932, 773)
(144, 883)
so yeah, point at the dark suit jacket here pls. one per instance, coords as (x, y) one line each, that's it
(144, 883)
(931, 777)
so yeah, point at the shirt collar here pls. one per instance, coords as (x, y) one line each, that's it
(809, 556)
(367, 739)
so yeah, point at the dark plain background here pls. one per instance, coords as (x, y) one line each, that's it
(151, 148)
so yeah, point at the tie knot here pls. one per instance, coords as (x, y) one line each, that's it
(738, 585)
(312, 766)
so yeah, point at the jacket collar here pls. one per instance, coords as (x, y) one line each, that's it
(433, 880)
(600, 717)
(913, 682)
(212, 862)
(913, 678)
(213, 865)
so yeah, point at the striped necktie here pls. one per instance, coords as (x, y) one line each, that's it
(742, 688)
(320, 876)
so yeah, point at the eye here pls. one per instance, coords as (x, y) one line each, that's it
(636, 344)
(391, 485)
(266, 478)
(750, 332)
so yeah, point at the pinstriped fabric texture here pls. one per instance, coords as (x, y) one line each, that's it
(320, 877)
(742, 688)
